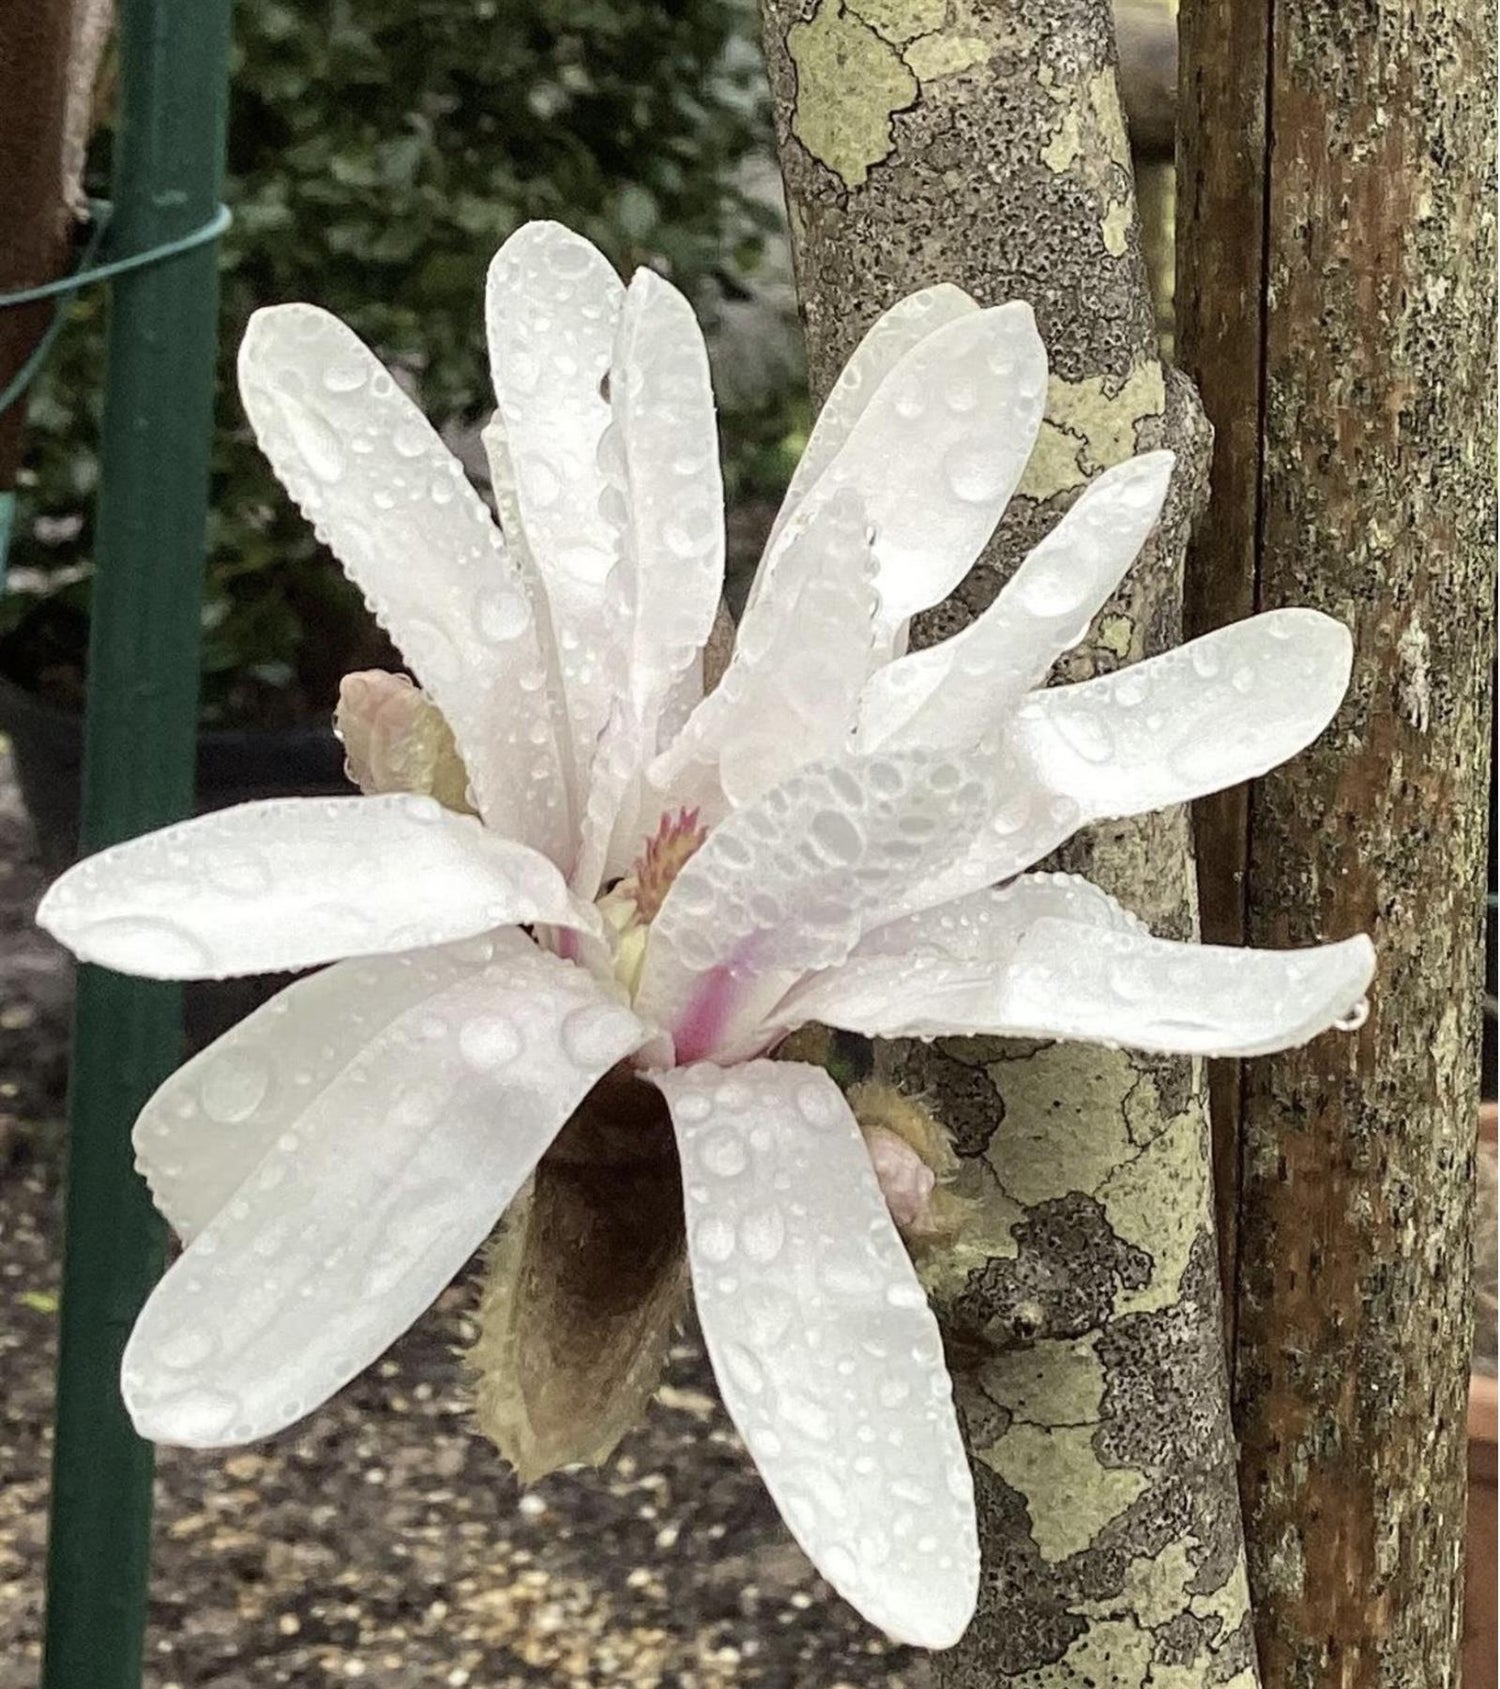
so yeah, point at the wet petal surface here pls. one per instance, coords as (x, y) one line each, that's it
(1052, 956)
(363, 1209)
(287, 883)
(825, 1349)
(367, 469)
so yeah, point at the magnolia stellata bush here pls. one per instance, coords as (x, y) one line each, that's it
(574, 879)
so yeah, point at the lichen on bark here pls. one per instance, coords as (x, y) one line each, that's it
(1081, 1310)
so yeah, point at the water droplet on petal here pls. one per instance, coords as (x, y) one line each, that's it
(233, 1086)
(762, 1233)
(713, 1238)
(724, 1154)
(596, 1034)
(489, 1041)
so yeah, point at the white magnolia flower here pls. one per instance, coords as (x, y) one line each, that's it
(642, 875)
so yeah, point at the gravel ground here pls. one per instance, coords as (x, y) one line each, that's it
(382, 1540)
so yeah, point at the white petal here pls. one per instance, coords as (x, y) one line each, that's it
(552, 304)
(1204, 716)
(801, 655)
(826, 1352)
(937, 453)
(612, 811)
(288, 883)
(660, 457)
(1196, 719)
(663, 454)
(1196, 999)
(952, 693)
(569, 706)
(206, 1128)
(366, 467)
(790, 882)
(887, 341)
(359, 1213)
(942, 970)
(1051, 956)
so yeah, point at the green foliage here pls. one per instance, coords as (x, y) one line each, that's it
(379, 152)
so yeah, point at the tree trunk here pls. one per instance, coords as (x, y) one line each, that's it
(1083, 1319)
(36, 40)
(1345, 353)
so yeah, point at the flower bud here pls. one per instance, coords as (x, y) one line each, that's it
(396, 739)
(913, 1161)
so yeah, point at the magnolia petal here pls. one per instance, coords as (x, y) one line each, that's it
(954, 954)
(365, 466)
(663, 458)
(1196, 719)
(1201, 717)
(1195, 999)
(938, 451)
(287, 883)
(552, 304)
(567, 677)
(206, 1128)
(802, 653)
(953, 692)
(825, 1349)
(790, 882)
(665, 496)
(887, 341)
(611, 815)
(357, 1216)
(1054, 957)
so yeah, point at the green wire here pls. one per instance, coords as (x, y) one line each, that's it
(86, 274)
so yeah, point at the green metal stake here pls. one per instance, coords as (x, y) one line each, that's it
(141, 728)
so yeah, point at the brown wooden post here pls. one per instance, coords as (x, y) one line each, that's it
(36, 43)
(1336, 306)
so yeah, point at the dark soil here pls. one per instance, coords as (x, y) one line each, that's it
(382, 1540)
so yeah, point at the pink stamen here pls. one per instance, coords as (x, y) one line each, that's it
(663, 856)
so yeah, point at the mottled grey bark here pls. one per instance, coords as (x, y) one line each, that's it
(984, 144)
(1347, 155)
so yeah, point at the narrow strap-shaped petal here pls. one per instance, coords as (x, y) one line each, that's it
(552, 306)
(1194, 720)
(937, 453)
(574, 728)
(660, 457)
(1206, 715)
(1054, 957)
(610, 816)
(790, 882)
(288, 883)
(366, 467)
(954, 692)
(827, 1355)
(367, 1204)
(206, 1127)
(663, 457)
(802, 654)
(886, 342)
